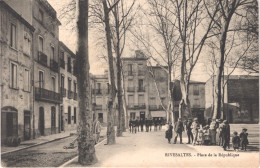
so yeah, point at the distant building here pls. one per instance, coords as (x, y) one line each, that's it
(68, 89)
(241, 99)
(16, 67)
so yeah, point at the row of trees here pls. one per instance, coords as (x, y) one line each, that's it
(182, 28)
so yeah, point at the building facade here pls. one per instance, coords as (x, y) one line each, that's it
(68, 88)
(16, 64)
(241, 99)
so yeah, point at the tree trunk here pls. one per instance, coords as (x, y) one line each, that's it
(111, 103)
(86, 140)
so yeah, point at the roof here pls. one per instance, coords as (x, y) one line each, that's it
(49, 9)
(19, 17)
(67, 49)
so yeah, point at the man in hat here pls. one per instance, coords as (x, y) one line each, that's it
(243, 138)
(189, 133)
(195, 128)
(178, 128)
(225, 134)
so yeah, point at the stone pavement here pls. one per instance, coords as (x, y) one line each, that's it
(152, 149)
(37, 141)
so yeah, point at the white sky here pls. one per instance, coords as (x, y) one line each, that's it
(98, 66)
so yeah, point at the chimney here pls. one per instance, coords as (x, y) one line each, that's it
(139, 54)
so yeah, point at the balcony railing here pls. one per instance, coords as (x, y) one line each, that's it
(70, 94)
(98, 107)
(75, 96)
(46, 95)
(63, 92)
(42, 58)
(141, 89)
(97, 91)
(140, 73)
(62, 63)
(136, 106)
(54, 66)
(69, 68)
(130, 89)
(155, 107)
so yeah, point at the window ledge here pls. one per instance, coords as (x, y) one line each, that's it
(10, 87)
(13, 48)
(26, 91)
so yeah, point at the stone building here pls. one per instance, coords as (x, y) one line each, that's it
(241, 99)
(46, 68)
(16, 67)
(68, 88)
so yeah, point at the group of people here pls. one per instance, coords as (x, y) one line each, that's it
(135, 124)
(216, 133)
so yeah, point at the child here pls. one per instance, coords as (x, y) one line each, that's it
(168, 133)
(206, 139)
(200, 138)
(235, 141)
(243, 138)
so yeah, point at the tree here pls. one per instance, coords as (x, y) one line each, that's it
(86, 141)
(227, 9)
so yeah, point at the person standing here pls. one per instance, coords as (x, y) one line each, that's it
(155, 124)
(137, 123)
(130, 125)
(142, 124)
(243, 138)
(150, 124)
(225, 134)
(160, 123)
(168, 133)
(235, 141)
(96, 130)
(147, 125)
(178, 128)
(212, 131)
(189, 133)
(194, 129)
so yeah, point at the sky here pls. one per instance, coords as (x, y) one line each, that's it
(97, 65)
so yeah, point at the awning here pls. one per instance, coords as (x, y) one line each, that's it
(158, 113)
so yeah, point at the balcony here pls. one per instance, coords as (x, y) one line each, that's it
(97, 91)
(70, 94)
(140, 73)
(54, 66)
(98, 107)
(63, 92)
(130, 89)
(155, 107)
(46, 95)
(69, 68)
(141, 89)
(62, 63)
(75, 96)
(136, 106)
(42, 58)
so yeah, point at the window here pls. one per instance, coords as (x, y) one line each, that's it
(130, 99)
(196, 103)
(195, 90)
(40, 47)
(141, 99)
(52, 52)
(40, 15)
(53, 84)
(62, 56)
(13, 36)
(69, 84)
(140, 84)
(41, 79)
(98, 87)
(75, 87)
(130, 69)
(69, 115)
(13, 81)
(75, 115)
(62, 81)
(140, 70)
(152, 101)
(26, 80)
(69, 64)
(132, 115)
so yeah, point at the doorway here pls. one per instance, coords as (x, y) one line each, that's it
(27, 125)
(53, 120)
(142, 115)
(41, 121)
(100, 117)
(62, 118)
